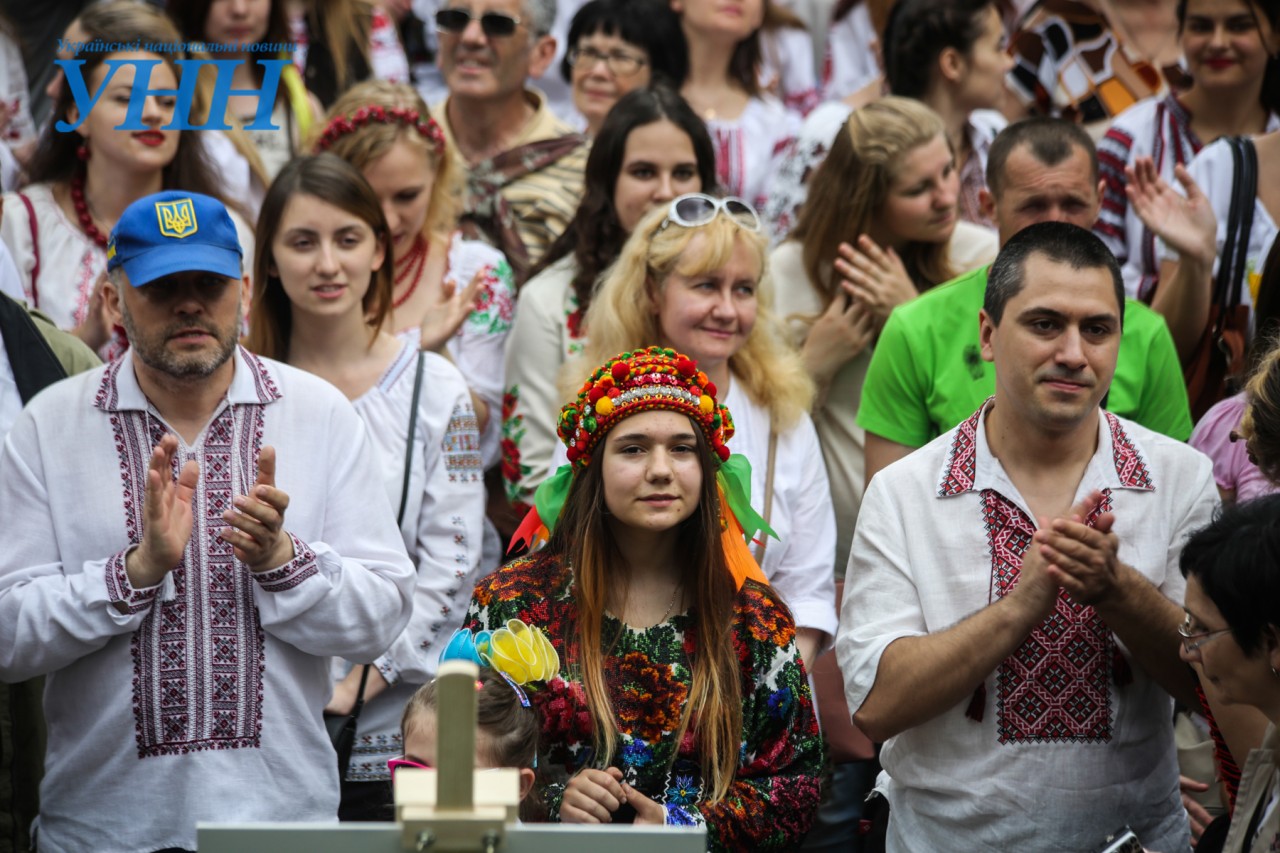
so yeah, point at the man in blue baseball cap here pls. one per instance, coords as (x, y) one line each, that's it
(179, 584)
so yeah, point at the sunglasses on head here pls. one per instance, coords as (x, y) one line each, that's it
(696, 209)
(492, 23)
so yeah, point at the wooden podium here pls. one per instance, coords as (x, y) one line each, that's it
(452, 808)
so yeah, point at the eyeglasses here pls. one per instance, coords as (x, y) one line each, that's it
(492, 23)
(1201, 637)
(618, 62)
(396, 763)
(693, 210)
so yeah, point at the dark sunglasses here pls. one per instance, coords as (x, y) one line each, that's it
(492, 23)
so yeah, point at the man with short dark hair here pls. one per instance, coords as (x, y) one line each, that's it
(524, 165)
(1009, 614)
(182, 584)
(926, 374)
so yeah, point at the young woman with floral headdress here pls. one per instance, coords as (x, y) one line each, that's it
(455, 295)
(693, 276)
(679, 695)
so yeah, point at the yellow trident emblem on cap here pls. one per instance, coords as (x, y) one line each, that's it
(177, 218)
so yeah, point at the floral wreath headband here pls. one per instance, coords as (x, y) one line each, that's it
(340, 126)
(645, 380)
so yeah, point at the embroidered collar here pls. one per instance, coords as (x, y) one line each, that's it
(252, 383)
(1118, 463)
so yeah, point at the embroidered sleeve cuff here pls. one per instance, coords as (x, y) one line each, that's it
(388, 670)
(121, 591)
(681, 816)
(303, 565)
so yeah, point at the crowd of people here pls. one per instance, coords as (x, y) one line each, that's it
(678, 362)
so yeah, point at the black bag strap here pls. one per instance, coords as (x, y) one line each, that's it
(408, 452)
(364, 679)
(404, 499)
(1229, 283)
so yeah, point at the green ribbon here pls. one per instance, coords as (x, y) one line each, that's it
(735, 478)
(549, 497)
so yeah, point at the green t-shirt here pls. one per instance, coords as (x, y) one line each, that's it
(927, 372)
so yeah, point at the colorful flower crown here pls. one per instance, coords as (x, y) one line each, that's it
(643, 380)
(652, 378)
(340, 126)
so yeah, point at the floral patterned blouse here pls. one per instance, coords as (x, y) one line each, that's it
(775, 793)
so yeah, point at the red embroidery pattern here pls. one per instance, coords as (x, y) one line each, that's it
(198, 655)
(962, 464)
(1057, 685)
(1130, 466)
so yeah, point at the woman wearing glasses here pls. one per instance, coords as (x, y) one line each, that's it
(692, 276)
(677, 696)
(617, 46)
(650, 149)
(882, 224)
(1232, 637)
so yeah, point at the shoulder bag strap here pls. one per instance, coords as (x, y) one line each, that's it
(1226, 287)
(408, 450)
(404, 499)
(35, 247)
(1247, 180)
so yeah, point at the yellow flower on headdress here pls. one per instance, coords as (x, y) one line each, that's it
(522, 653)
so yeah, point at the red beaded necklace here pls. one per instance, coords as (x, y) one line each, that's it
(82, 211)
(411, 263)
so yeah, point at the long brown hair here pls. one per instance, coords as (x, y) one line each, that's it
(335, 181)
(851, 186)
(582, 539)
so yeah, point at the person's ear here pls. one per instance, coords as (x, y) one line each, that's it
(654, 292)
(1271, 639)
(111, 297)
(379, 254)
(951, 65)
(987, 204)
(986, 330)
(527, 778)
(246, 291)
(543, 54)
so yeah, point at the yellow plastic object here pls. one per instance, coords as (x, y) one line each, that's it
(522, 653)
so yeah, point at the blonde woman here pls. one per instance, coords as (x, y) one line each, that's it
(692, 276)
(881, 225)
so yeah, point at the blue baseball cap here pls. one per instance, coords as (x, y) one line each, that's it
(171, 232)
